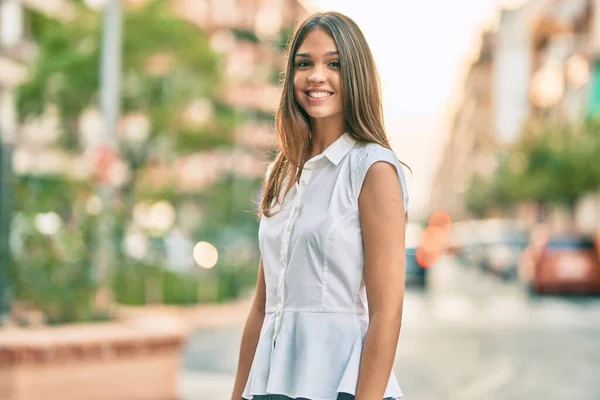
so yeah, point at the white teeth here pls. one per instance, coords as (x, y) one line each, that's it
(319, 95)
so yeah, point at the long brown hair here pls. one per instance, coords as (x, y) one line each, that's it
(361, 104)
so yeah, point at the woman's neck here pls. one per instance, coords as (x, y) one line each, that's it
(324, 133)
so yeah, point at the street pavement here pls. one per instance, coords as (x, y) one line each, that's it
(467, 336)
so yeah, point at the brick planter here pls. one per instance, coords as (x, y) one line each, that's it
(134, 360)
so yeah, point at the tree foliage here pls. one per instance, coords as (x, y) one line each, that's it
(53, 272)
(557, 164)
(166, 64)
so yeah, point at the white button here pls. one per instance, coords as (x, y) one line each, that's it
(289, 228)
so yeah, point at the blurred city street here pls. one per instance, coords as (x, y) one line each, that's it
(135, 139)
(467, 336)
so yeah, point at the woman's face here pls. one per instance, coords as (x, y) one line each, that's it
(317, 80)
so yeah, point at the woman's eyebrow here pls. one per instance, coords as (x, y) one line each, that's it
(328, 54)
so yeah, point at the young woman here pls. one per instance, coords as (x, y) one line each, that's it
(326, 315)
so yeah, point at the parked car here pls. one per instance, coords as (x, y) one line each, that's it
(502, 242)
(416, 273)
(563, 264)
(492, 245)
(464, 242)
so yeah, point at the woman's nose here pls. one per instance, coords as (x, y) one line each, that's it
(317, 76)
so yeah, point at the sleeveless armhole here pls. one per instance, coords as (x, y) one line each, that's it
(373, 155)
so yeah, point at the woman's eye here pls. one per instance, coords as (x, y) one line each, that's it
(335, 64)
(303, 64)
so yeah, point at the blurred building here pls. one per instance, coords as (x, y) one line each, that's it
(250, 35)
(470, 148)
(540, 61)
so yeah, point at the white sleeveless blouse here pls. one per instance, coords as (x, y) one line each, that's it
(316, 307)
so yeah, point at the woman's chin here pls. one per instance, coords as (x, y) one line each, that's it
(320, 114)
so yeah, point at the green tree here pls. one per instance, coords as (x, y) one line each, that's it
(555, 165)
(477, 197)
(52, 233)
(167, 65)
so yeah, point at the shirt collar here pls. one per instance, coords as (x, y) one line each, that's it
(335, 151)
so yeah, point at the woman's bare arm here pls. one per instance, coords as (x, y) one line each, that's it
(251, 335)
(383, 221)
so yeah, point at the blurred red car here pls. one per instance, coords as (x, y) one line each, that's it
(562, 264)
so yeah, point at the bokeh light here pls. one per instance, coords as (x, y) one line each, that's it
(91, 126)
(433, 239)
(48, 223)
(199, 112)
(94, 205)
(441, 219)
(141, 212)
(577, 70)
(547, 87)
(161, 217)
(136, 126)
(136, 243)
(95, 4)
(205, 255)
(424, 258)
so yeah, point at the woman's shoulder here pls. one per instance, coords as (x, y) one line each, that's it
(367, 154)
(364, 150)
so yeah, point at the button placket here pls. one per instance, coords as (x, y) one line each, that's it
(284, 251)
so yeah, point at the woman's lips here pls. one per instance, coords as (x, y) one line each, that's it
(318, 96)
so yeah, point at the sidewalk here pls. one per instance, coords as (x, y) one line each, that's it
(205, 385)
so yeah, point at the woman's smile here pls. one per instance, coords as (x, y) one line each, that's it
(318, 96)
